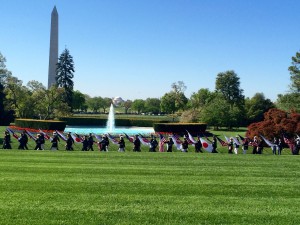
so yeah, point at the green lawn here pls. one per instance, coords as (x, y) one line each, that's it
(59, 187)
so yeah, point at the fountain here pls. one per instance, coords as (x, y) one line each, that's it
(110, 124)
(110, 127)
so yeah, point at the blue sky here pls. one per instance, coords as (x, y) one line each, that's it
(138, 48)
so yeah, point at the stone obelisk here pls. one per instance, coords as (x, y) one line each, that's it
(53, 55)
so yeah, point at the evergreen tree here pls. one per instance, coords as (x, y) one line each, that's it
(64, 75)
(295, 73)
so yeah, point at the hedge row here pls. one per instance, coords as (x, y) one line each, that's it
(181, 128)
(41, 124)
(90, 121)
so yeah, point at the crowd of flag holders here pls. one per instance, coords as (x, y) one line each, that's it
(205, 141)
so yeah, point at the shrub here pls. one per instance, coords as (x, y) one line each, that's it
(40, 124)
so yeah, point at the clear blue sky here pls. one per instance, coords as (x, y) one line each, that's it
(138, 48)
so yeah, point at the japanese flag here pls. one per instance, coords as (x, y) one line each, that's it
(207, 146)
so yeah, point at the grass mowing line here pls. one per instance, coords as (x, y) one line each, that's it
(147, 188)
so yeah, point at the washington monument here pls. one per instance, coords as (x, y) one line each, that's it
(53, 55)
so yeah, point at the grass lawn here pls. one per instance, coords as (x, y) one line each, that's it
(59, 187)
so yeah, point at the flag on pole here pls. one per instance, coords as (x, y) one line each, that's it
(76, 138)
(177, 141)
(223, 143)
(12, 133)
(61, 135)
(30, 134)
(113, 140)
(130, 138)
(207, 146)
(227, 139)
(192, 140)
(162, 141)
(144, 141)
(97, 137)
(45, 134)
(268, 142)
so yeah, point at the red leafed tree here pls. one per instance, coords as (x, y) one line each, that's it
(276, 122)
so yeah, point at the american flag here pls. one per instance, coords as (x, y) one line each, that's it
(61, 135)
(45, 134)
(12, 133)
(30, 134)
(191, 139)
(130, 138)
(223, 143)
(113, 140)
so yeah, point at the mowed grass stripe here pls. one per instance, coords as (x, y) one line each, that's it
(145, 188)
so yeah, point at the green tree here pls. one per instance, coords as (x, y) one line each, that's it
(152, 105)
(174, 100)
(106, 102)
(289, 102)
(167, 103)
(127, 105)
(94, 103)
(64, 75)
(201, 98)
(295, 73)
(256, 107)
(19, 97)
(78, 100)
(228, 83)
(3, 72)
(138, 105)
(51, 105)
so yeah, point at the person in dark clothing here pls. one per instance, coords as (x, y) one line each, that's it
(23, 141)
(245, 145)
(230, 146)
(6, 140)
(69, 143)
(85, 143)
(214, 145)
(104, 144)
(42, 137)
(184, 145)
(38, 142)
(25, 137)
(254, 143)
(260, 147)
(274, 147)
(153, 144)
(90, 142)
(279, 146)
(198, 146)
(296, 147)
(136, 144)
(54, 141)
(121, 144)
(170, 144)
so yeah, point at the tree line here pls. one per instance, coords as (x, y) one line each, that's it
(225, 106)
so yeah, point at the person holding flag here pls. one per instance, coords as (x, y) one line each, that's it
(23, 141)
(54, 141)
(198, 146)
(121, 143)
(185, 145)
(230, 146)
(69, 142)
(136, 144)
(153, 144)
(170, 144)
(162, 141)
(6, 140)
(90, 142)
(245, 145)
(214, 144)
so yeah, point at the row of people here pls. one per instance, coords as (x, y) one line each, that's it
(88, 142)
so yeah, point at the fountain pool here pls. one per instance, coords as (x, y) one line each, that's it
(110, 127)
(104, 130)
